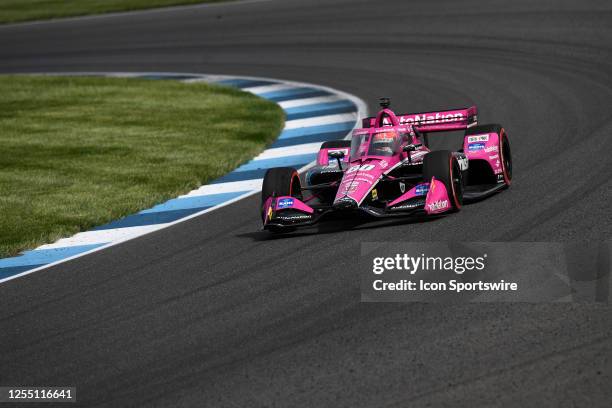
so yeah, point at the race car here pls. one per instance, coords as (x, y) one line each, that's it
(386, 169)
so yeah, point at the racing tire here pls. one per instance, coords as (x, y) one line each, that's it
(280, 181)
(505, 153)
(443, 165)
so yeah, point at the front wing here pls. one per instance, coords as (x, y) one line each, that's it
(285, 212)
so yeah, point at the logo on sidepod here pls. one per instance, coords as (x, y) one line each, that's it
(421, 189)
(473, 147)
(438, 205)
(284, 203)
(492, 149)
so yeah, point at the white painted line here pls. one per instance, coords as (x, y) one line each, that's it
(229, 187)
(320, 120)
(121, 241)
(289, 151)
(103, 236)
(258, 90)
(193, 80)
(294, 103)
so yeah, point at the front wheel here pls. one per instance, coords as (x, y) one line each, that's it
(443, 165)
(280, 181)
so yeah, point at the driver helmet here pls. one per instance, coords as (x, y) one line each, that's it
(383, 142)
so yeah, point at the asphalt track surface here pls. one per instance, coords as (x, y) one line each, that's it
(212, 312)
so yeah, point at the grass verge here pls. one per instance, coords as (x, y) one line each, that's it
(12, 11)
(76, 152)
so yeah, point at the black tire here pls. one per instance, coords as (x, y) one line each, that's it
(280, 181)
(506, 156)
(335, 144)
(442, 165)
(505, 153)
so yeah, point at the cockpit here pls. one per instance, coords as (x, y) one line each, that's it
(377, 143)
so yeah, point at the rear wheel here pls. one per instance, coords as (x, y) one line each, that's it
(504, 147)
(443, 165)
(280, 181)
(506, 156)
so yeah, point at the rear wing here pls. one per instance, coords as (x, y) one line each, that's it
(438, 121)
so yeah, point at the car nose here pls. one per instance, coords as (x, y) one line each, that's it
(345, 203)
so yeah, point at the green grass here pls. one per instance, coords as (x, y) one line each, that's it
(24, 10)
(76, 152)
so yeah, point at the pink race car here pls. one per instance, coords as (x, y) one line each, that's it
(387, 170)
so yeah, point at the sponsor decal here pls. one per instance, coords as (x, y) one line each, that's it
(294, 217)
(270, 212)
(365, 167)
(438, 205)
(284, 203)
(402, 187)
(478, 138)
(424, 119)
(374, 194)
(500, 178)
(474, 147)
(351, 187)
(493, 157)
(492, 149)
(421, 189)
(407, 206)
(384, 164)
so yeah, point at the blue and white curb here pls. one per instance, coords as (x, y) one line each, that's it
(313, 113)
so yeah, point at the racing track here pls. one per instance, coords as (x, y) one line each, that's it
(213, 313)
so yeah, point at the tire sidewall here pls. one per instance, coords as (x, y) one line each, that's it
(504, 138)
